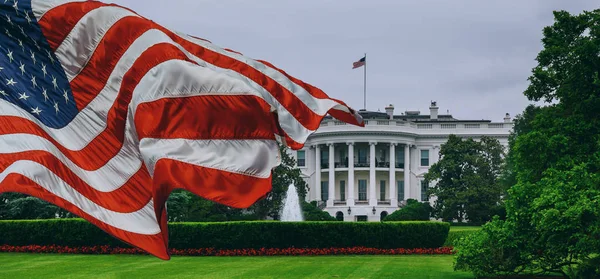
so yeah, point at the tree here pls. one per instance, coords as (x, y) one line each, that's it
(16, 206)
(553, 208)
(311, 212)
(283, 175)
(413, 211)
(466, 176)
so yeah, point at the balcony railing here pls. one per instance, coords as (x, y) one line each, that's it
(422, 126)
(384, 202)
(325, 165)
(339, 202)
(341, 164)
(361, 202)
(361, 165)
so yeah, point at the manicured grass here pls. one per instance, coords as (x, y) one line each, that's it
(14, 265)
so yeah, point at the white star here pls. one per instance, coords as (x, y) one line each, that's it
(22, 31)
(22, 67)
(23, 96)
(36, 110)
(32, 56)
(50, 56)
(3, 93)
(33, 82)
(7, 33)
(36, 44)
(45, 94)
(8, 18)
(54, 82)
(44, 69)
(16, 6)
(56, 107)
(10, 56)
(66, 95)
(10, 82)
(27, 18)
(21, 44)
(1, 69)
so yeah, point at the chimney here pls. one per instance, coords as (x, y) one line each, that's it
(507, 118)
(390, 111)
(433, 110)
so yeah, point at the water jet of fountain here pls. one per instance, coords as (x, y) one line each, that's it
(291, 212)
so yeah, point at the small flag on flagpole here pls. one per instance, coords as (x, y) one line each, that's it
(359, 63)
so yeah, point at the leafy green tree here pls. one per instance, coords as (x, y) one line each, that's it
(467, 179)
(553, 209)
(311, 212)
(412, 211)
(283, 175)
(16, 206)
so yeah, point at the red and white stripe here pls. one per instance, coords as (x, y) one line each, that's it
(158, 110)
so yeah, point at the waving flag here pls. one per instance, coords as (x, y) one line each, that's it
(104, 112)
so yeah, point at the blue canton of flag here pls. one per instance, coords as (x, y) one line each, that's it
(30, 75)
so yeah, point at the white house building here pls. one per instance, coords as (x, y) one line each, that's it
(366, 173)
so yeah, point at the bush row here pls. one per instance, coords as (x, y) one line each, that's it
(228, 252)
(238, 235)
(455, 235)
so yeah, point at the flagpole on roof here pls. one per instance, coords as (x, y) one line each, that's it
(365, 83)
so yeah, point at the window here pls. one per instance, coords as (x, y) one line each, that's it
(424, 157)
(343, 159)
(361, 218)
(382, 190)
(400, 190)
(339, 216)
(362, 156)
(301, 158)
(362, 190)
(324, 159)
(424, 188)
(343, 190)
(400, 158)
(324, 190)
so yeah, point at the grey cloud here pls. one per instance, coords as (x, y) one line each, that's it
(472, 56)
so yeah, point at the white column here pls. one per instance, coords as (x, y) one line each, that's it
(406, 172)
(318, 173)
(331, 174)
(392, 180)
(350, 192)
(372, 182)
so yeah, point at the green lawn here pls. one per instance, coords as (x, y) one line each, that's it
(13, 265)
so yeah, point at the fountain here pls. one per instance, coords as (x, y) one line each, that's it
(291, 211)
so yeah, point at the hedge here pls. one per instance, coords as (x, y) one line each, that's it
(238, 235)
(455, 235)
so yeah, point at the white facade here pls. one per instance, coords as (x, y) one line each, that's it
(390, 155)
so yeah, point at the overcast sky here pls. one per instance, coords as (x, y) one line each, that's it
(472, 57)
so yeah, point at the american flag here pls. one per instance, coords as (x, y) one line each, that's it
(361, 62)
(104, 112)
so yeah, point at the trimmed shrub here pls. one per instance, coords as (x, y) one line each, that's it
(311, 212)
(455, 235)
(238, 235)
(413, 211)
(229, 252)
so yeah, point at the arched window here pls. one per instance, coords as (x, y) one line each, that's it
(339, 216)
(383, 215)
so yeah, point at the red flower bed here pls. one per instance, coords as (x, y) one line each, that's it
(229, 252)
